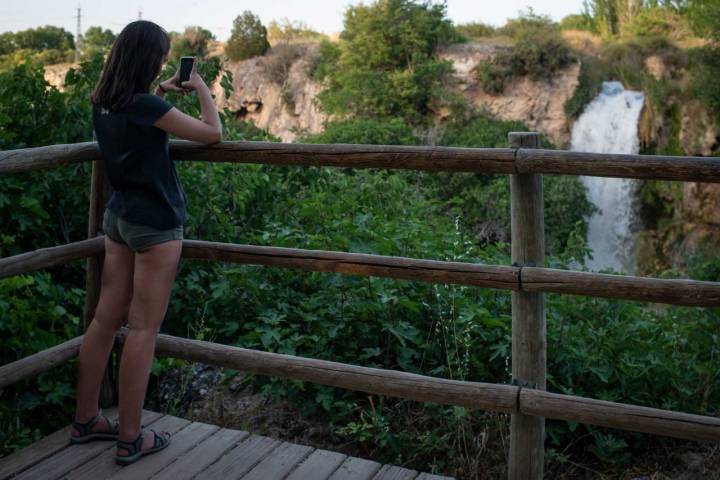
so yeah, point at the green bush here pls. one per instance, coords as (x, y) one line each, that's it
(537, 56)
(475, 30)
(705, 76)
(659, 22)
(248, 38)
(581, 21)
(392, 131)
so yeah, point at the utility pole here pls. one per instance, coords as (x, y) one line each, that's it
(139, 14)
(77, 37)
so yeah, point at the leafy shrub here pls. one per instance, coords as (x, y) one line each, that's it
(391, 131)
(193, 42)
(538, 56)
(286, 31)
(580, 21)
(278, 60)
(705, 76)
(659, 22)
(248, 38)
(326, 60)
(475, 30)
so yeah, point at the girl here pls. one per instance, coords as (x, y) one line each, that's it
(143, 225)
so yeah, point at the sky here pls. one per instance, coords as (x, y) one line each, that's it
(217, 15)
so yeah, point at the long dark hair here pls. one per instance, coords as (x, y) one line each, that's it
(135, 60)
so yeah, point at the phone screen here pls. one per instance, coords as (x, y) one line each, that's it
(186, 64)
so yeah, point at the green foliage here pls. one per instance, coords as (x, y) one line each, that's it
(248, 38)
(391, 131)
(579, 21)
(659, 22)
(326, 60)
(475, 30)
(96, 40)
(483, 201)
(193, 42)
(36, 313)
(705, 18)
(386, 64)
(287, 31)
(47, 44)
(539, 52)
(705, 76)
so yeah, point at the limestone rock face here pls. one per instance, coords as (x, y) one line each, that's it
(55, 74)
(697, 129)
(276, 94)
(538, 104)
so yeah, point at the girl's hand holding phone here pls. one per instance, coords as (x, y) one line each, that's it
(195, 82)
(173, 84)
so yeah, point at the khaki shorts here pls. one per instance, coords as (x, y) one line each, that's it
(136, 235)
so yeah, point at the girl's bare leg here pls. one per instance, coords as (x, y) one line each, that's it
(155, 270)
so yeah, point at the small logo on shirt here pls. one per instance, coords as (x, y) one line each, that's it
(104, 110)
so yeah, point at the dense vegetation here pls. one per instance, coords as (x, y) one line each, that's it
(614, 350)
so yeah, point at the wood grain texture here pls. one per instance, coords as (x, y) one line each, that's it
(241, 459)
(655, 167)
(37, 158)
(204, 454)
(73, 456)
(485, 396)
(485, 160)
(392, 472)
(283, 459)
(619, 415)
(529, 357)
(670, 291)
(490, 276)
(50, 257)
(356, 469)
(39, 362)
(34, 453)
(319, 465)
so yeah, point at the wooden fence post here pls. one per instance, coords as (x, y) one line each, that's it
(527, 434)
(99, 194)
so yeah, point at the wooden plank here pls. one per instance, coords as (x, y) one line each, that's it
(73, 456)
(25, 159)
(660, 290)
(99, 195)
(282, 460)
(429, 476)
(319, 465)
(354, 468)
(104, 466)
(204, 454)
(392, 472)
(185, 438)
(618, 415)
(485, 396)
(50, 257)
(39, 362)
(18, 461)
(435, 271)
(241, 459)
(688, 169)
(527, 434)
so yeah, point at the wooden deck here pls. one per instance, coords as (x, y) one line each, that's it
(198, 451)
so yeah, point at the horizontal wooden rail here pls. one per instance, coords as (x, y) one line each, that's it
(532, 279)
(482, 160)
(39, 362)
(484, 396)
(51, 256)
(490, 276)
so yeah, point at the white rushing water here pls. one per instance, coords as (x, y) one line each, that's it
(610, 125)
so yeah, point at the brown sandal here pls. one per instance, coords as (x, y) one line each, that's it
(135, 448)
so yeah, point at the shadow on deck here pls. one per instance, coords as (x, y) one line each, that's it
(198, 451)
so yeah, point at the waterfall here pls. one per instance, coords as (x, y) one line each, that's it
(610, 125)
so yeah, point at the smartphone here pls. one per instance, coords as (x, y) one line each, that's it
(186, 64)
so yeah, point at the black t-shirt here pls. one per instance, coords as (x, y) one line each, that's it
(136, 155)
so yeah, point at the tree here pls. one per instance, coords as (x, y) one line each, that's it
(248, 38)
(45, 38)
(705, 17)
(286, 31)
(96, 40)
(193, 42)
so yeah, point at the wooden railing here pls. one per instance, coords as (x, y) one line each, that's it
(525, 398)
